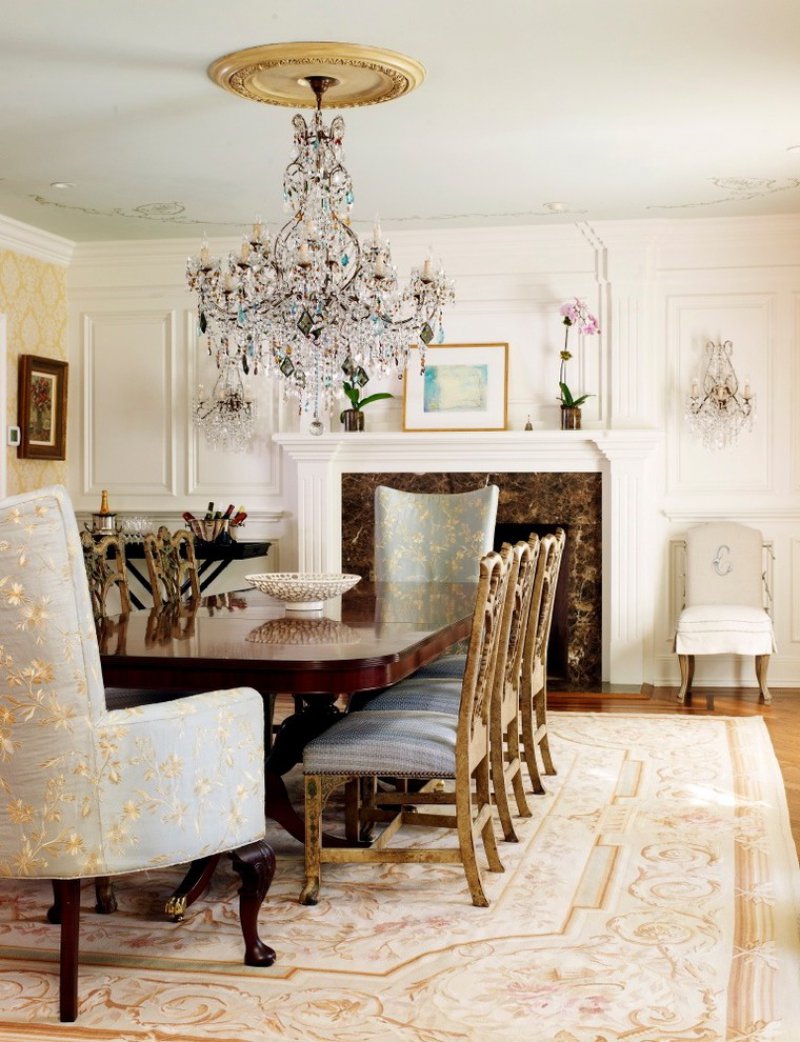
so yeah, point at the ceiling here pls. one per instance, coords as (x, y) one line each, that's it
(531, 111)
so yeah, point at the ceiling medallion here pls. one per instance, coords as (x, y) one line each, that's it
(276, 74)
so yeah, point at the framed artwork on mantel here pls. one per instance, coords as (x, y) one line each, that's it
(42, 408)
(463, 388)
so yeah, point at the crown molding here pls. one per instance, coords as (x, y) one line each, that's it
(33, 242)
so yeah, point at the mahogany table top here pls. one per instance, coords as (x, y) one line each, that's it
(372, 636)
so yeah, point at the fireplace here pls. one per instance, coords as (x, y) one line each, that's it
(529, 502)
(609, 467)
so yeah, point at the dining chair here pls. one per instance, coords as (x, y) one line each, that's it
(171, 565)
(724, 612)
(416, 746)
(533, 691)
(432, 537)
(439, 690)
(91, 792)
(104, 560)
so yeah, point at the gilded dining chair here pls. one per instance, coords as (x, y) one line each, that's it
(104, 559)
(533, 690)
(724, 610)
(432, 537)
(408, 745)
(91, 792)
(435, 689)
(171, 565)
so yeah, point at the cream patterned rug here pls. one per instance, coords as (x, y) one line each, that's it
(653, 898)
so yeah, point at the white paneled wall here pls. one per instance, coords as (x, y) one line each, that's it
(661, 289)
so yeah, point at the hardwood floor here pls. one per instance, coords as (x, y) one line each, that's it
(782, 719)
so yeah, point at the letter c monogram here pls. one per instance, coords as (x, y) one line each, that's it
(722, 562)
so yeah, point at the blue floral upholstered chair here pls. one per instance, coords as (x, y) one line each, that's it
(88, 792)
(724, 612)
(432, 536)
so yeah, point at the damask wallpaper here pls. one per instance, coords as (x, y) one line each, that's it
(33, 297)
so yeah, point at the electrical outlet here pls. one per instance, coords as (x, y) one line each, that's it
(14, 436)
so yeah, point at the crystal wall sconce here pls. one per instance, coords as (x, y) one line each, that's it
(716, 410)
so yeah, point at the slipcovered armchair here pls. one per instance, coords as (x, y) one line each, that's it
(89, 792)
(724, 610)
(432, 537)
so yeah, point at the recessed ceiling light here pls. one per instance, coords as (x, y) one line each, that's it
(793, 148)
(62, 184)
(555, 207)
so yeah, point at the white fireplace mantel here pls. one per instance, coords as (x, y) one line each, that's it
(313, 468)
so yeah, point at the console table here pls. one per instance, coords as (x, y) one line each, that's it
(212, 560)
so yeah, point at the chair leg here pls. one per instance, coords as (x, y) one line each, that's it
(515, 768)
(255, 866)
(67, 894)
(465, 824)
(762, 665)
(497, 767)
(482, 800)
(309, 895)
(542, 737)
(686, 663)
(529, 743)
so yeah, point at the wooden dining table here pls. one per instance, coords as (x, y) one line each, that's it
(371, 637)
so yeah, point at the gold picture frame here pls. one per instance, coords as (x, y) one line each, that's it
(42, 408)
(464, 388)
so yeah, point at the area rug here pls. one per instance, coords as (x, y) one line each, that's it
(653, 897)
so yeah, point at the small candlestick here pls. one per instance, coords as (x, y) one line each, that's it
(303, 257)
(427, 270)
(205, 256)
(380, 267)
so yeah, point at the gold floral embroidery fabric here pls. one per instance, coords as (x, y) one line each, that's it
(432, 537)
(85, 791)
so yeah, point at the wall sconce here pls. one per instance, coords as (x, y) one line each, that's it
(715, 410)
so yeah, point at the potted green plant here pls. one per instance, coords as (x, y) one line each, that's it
(353, 418)
(573, 313)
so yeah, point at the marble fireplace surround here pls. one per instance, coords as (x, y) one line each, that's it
(313, 469)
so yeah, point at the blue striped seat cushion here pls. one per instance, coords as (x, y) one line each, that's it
(418, 695)
(390, 744)
(448, 666)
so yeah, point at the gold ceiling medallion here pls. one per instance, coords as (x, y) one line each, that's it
(276, 74)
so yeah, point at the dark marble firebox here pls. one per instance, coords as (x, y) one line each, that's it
(572, 500)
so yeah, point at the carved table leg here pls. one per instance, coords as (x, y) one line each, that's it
(193, 885)
(105, 898)
(255, 865)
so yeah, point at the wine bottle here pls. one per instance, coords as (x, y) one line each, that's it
(104, 502)
(240, 516)
(228, 513)
(209, 512)
(188, 518)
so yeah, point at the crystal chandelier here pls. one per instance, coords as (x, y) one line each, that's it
(226, 416)
(315, 306)
(715, 410)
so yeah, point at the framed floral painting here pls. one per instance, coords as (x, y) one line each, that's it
(463, 388)
(42, 415)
